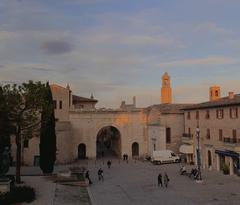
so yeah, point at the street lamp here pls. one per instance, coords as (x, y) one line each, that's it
(198, 154)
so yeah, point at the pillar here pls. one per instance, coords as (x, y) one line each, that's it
(218, 163)
(231, 166)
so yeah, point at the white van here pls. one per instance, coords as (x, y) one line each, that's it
(164, 156)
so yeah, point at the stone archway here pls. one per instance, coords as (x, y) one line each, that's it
(135, 149)
(108, 142)
(82, 151)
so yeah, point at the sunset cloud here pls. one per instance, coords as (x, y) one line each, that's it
(208, 61)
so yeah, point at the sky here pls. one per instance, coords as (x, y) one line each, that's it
(117, 49)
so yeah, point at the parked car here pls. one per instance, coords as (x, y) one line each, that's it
(164, 156)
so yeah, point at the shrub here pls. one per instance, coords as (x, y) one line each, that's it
(18, 195)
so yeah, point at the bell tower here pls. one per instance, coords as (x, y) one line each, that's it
(166, 90)
(214, 93)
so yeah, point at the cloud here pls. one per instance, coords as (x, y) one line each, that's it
(57, 47)
(8, 35)
(129, 39)
(210, 61)
(84, 1)
(144, 40)
(210, 27)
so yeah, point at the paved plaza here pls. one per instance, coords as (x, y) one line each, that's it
(136, 183)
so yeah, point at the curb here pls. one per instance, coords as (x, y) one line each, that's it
(91, 196)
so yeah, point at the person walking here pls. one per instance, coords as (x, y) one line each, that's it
(160, 180)
(166, 179)
(88, 177)
(100, 174)
(109, 164)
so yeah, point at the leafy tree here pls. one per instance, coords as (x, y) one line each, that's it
(47, 134)
(23, 107)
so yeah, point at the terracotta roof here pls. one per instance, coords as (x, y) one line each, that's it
(77, 99)
(170, 108)
(222, 102)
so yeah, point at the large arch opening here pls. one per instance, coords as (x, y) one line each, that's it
(135, 149)
(108, 143)
(81, 151)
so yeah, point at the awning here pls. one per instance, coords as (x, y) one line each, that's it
(228, 153)
(186, 149)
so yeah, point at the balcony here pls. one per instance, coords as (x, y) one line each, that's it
(187, 138)
(231, 140)
(233, 143)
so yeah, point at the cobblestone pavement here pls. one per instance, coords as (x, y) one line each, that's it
(136, 183)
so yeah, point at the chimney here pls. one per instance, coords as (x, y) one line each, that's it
(231, 95)
(134, 101)
(214, 93)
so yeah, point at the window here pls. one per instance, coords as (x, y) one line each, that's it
(55, 104)
(220, 134)
(233, 113)
(188, 115)
(25, 143)
(208, 134)
(216, 93)
(60, 104)
(189, 131)
(207, 116)
(168, 135)
(197, 115)
(220, 113)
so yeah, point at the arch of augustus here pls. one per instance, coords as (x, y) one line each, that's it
(84, 131)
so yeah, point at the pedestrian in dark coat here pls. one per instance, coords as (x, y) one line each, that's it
(160, 180)
(100, 174)
(88, 177)
(166, 179)
(109, 164)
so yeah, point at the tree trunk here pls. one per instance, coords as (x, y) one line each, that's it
(18, 156)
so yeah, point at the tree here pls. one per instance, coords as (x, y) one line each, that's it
(23, 107)
(4, 123)
(47, 134)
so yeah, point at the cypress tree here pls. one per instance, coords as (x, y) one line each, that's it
(47, 133)
(4, 123)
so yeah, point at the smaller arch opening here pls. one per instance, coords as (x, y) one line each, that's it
(82, 151)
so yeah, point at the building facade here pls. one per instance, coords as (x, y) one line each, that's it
(219, 124)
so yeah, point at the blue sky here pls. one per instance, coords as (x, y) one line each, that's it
(118, 49)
